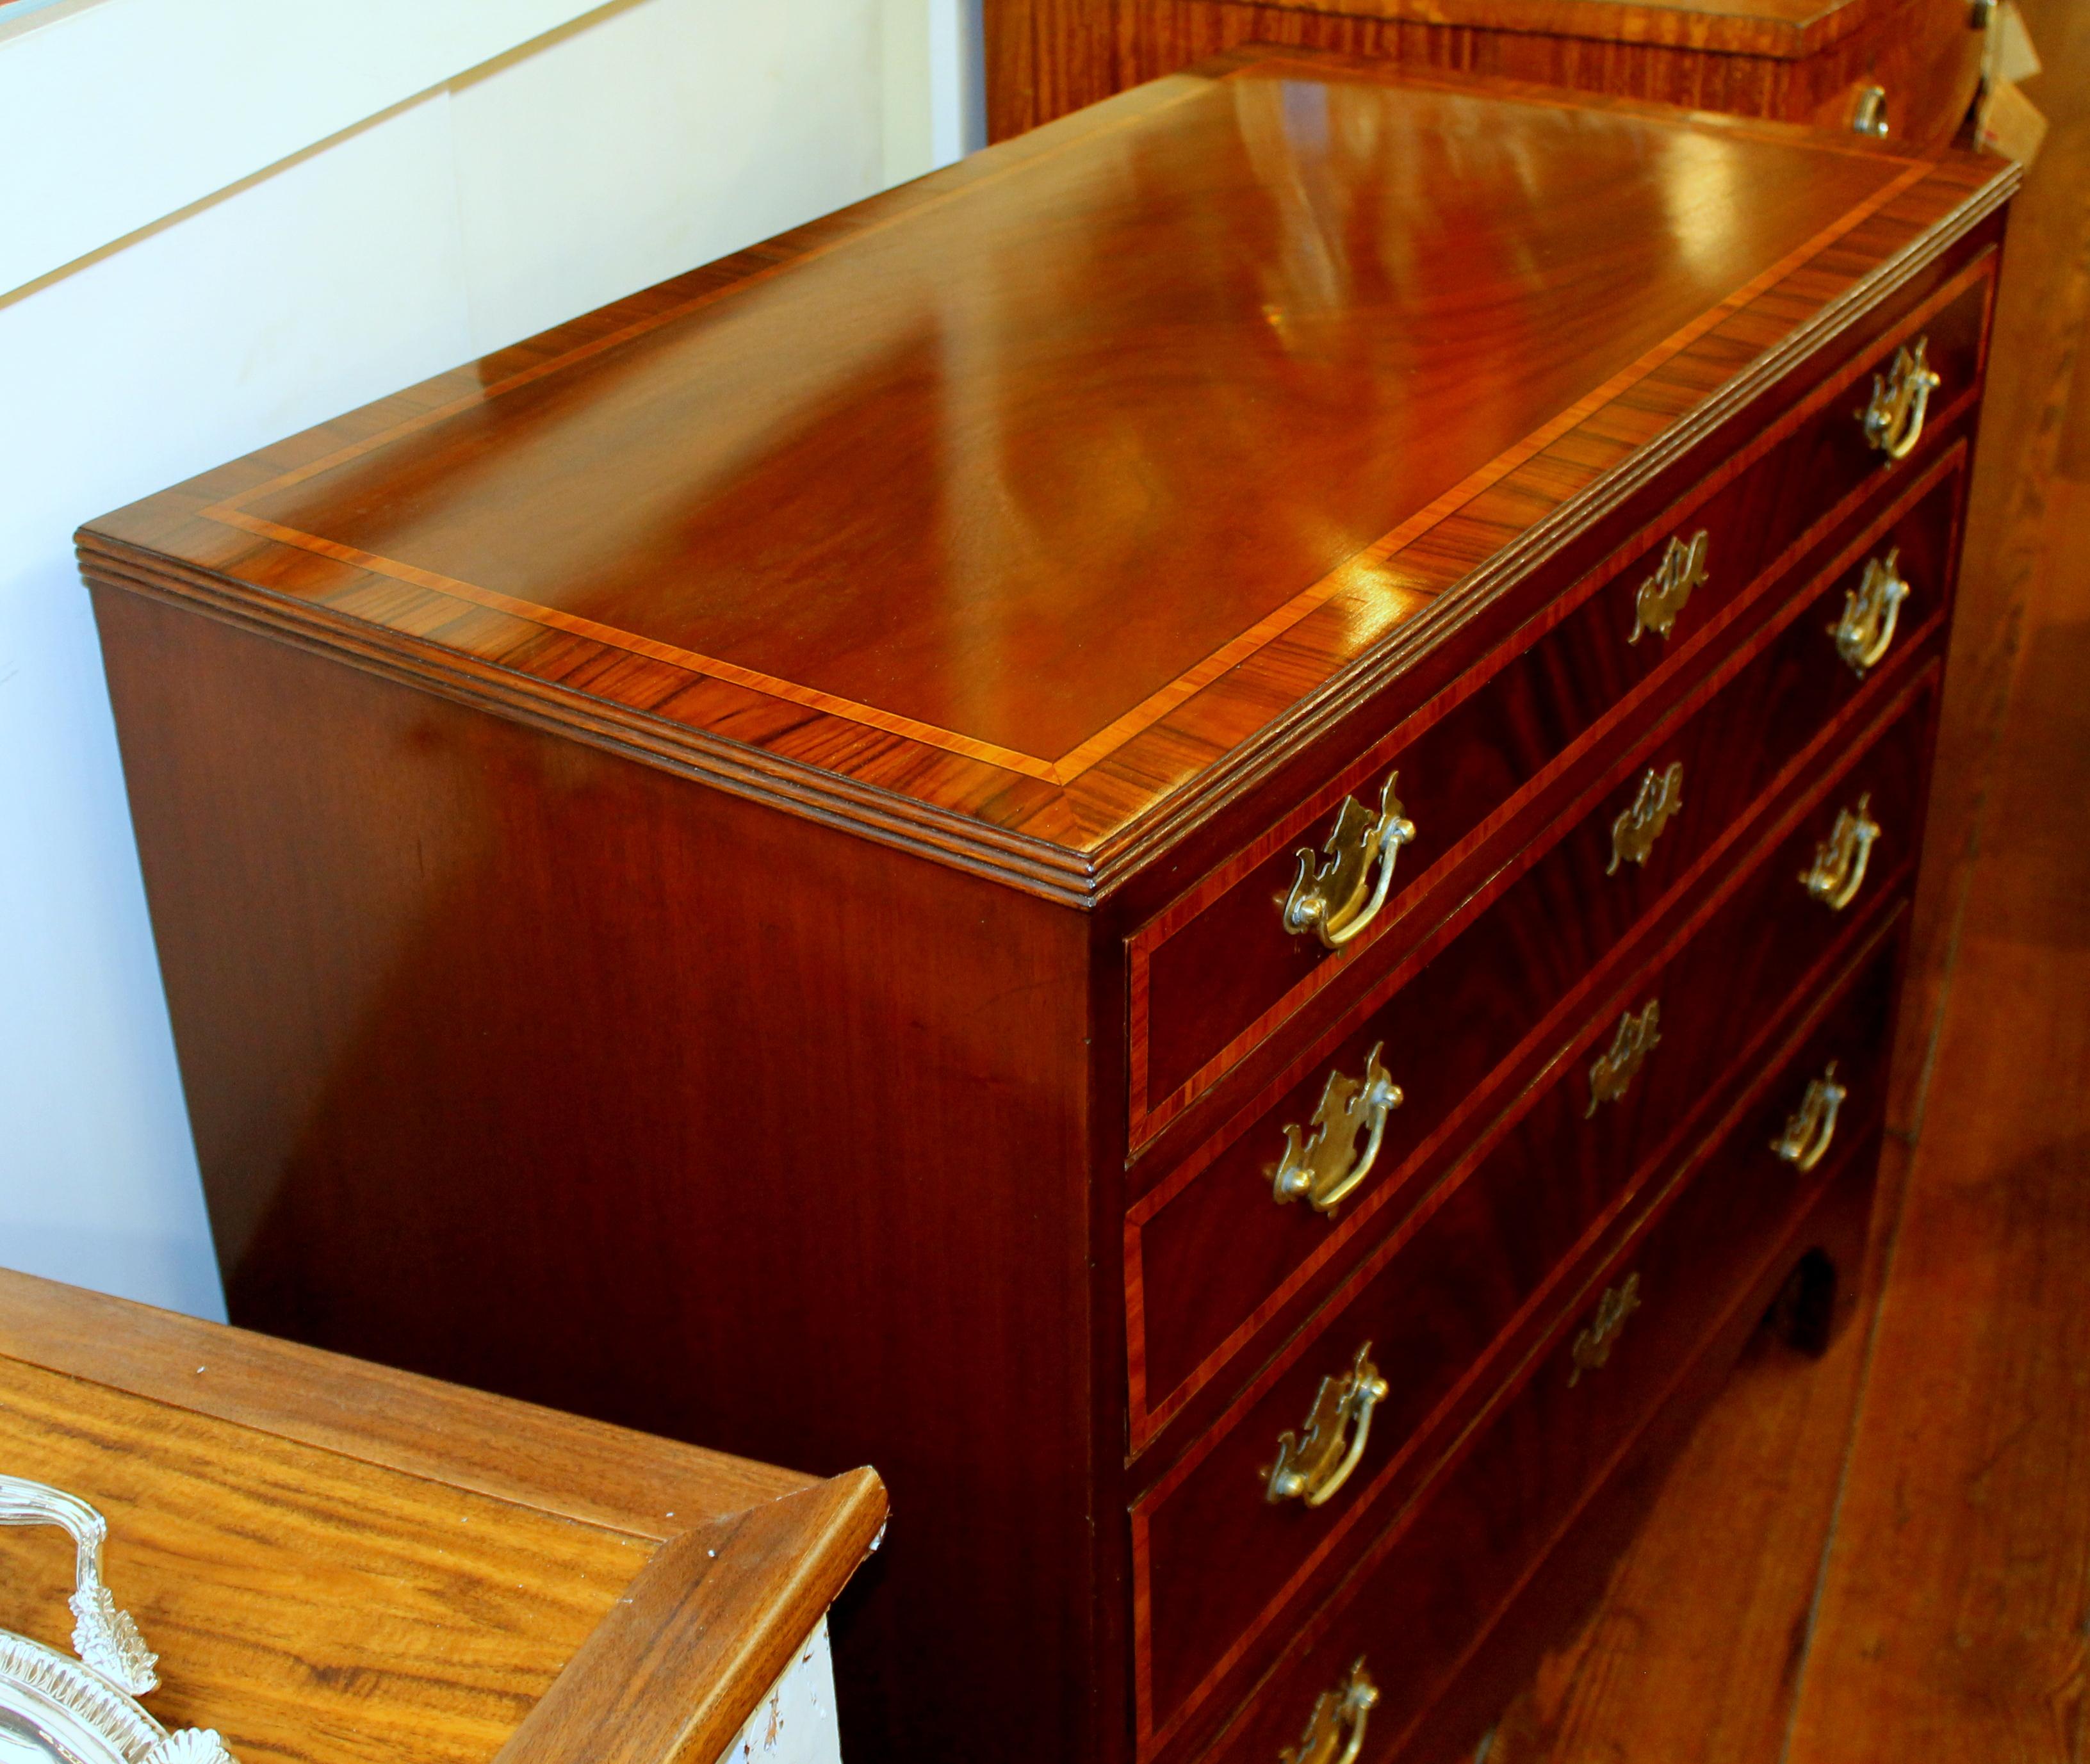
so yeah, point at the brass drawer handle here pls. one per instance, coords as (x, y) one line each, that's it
(1634, 833)
(1868, 116)
(1593, 1347)
(1635, 1038)
(1336, 901)
(1313, 1468)
(1893, 418)
(1866, 631)
(1808, 1129)
(1661, 596)
(1345, 1707)
(1323, 1166)
(1838, 870)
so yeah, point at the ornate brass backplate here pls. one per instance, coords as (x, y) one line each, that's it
(1810, 1127)
(1323, 1165)
(1338, 900)
(1661, 596)
(1634, 833)
(1313, 1467)
(1593, 1347)
(1866, 631)
(1336, 1731)
(57, 1711)
(1838, 870)
(1893, 418)
(1637, 1035)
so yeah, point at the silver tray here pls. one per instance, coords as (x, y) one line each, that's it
(56, 1710)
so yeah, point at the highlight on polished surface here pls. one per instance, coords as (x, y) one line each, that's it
(1242, 337)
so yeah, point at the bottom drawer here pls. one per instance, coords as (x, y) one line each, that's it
(1427, 1590)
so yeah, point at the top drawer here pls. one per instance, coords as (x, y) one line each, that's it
(1220, 969)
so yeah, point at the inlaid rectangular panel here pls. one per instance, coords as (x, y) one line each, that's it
(1027, 495)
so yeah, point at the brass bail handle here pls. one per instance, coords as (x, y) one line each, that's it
(1592, 1349)
(1893, 418)
(1336, 1731)
(1612, 1072)
(1634, 833)
(1838, 870)
(1866, 631)
(103, 1634)
(1663, 595)
(1339, 899)
(1809, 1128)
(1323, 1167)
(1313, 1467)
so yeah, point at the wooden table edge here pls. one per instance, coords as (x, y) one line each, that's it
(751, 1556)
(518, 1452)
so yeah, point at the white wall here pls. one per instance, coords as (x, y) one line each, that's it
(630, 142)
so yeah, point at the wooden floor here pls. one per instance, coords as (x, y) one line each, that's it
(1885, 1554)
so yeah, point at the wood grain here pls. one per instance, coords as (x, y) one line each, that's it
(1949, 1630)
(667, 1630)
(1210, 981)
(624, 1037)
(1796, 59)
(305, 1606)
(2034, 404)
(1542, 1452)
(1051, 769)
(1954, 1605)
(336, 1561)
(514, 1451)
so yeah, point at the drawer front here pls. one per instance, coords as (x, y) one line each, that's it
(1418, 1597)
(1215, 972)
(1211, 1252)
(1438, 1305)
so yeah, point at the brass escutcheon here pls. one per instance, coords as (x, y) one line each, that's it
(1661, 596)
(1866, 631)
(1338, 900)
(1593, 1347)
(1810, 1127)
(1894, 419)
(1336, 1731)
(1838, 870)
(1636, 1037)
(1323, 1166)
(1312, 1467)
(1634, 833)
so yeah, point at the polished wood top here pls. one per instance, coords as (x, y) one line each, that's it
(1014, 513)
(338, 1562)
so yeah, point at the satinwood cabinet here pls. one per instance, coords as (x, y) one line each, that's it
(1199, 833)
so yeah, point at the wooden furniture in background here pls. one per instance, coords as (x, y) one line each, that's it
(1802, 60)
(340, 1563)
(1936, 1617)
(764, 865)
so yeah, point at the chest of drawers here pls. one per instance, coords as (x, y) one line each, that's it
(1198, 834)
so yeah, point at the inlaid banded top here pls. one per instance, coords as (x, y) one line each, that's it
(1001, 512)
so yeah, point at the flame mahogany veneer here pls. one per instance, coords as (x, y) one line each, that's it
(673, 850)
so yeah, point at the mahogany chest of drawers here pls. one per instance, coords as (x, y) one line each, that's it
(1199, 833)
